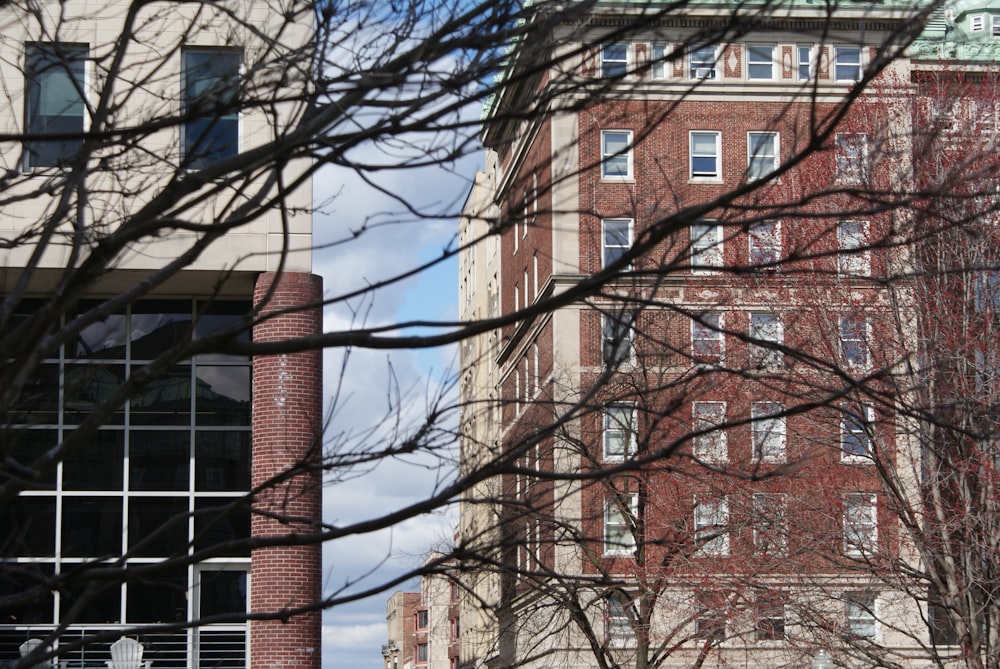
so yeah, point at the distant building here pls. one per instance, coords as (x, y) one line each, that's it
(423, 628)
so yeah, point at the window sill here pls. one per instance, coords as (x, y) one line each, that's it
(619, 554)
(856, 460)
(705, 180)
(617, 180)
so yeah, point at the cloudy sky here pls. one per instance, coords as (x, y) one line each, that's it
(360, 380)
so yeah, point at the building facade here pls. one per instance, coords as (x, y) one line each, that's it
(423, 628)
(154, 475)
(698, 442)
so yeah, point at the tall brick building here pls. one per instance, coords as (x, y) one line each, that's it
(697, 450)
(122, 119)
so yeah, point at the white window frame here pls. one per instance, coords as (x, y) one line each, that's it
(755, 67)
(618, 338)
(619, 66)
(852, 235)
(761, 164)
(710, 445)
(995, 25)
(701, 154)
(661, 67)
(860, 615)
(860, 524)
(977, 22)
(767, 327)
(617, 621)
(770, 527)
(707, 340)
(771, 612)
(852, 157)
(711, 519)
(764, 247)
(845, 66)
(854, 333)
(620, 246)
(615, 156)
(619, 433)
(810, 69)
(854, 434)
(768, 432)
(699, 67)
(614, 518)
(706, 247)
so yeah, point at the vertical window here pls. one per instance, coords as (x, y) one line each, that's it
(617, 335)
(534, 271)
(855, 440)
(770, 530)
(707, 342)
(852, 157)
(765, 244)
(942, 629)
(422, 655)
(211, 89)
(616, 239)
(853, 332)
(55, 103)
(711, 515)
(860, 613)
(701, 63)
(660, 63)
(860, 524)
(619, 432)
(618, 619)
(805, 67)
(767, 428)
(766, 328)
(762, 154)
(705, 155)
(616, 154)
(709, 441)
(618, 535)
(614, 60)
(852, 241)
(706, 246)
(422, 620)
(847, 63)
(995, 26)
(760, 61)
(977, 22)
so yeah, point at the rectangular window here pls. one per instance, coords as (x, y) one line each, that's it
(617, 338)
(770, 622)
(710, 625)
(860, 613)
(701, 62)
(711, 515)
(211, 92)
(614, 60)
(707, 342)
(616, 154)
(855, 424)
(760, 61)
(706, 246)
(619, 432)
(852, 157)
(770, 528)
(995, 25)
(618, 619)
(853, 331)
(804, 52)
(618, 535)
(942, 629)
(765, 244)
(616, 240)
(847, 63)
(977, 22)
(709, 441)
(766, 328)
(660, 64)
(422, 654)
(762, 154)
(54, 103)
(852, 241)
(860, 524)
(767, 428)
(422, 620)
(705, 155)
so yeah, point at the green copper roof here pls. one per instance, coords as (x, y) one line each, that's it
(962, 30)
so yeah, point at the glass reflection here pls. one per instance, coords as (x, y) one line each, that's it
(157, 326)
(223, 395)
(166, 400)
(222, 461)
(104, 339)
(23, 447)
(89, 387)
(216, 523)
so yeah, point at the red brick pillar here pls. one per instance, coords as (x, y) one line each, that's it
(287, 431)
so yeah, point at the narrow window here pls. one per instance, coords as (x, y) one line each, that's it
(422, 620)
(852, 240)
(614, 60)
(805, 61)
(55, 103)
(707, 342)
(853, 332)
(760, 61)
(767, 428)
(618, 535)
(422, 654)
(711, 515)
(852, 157)
(701, 63)
(860, 524)
(994, 26)
(770, 529)
(618, 619)
(766, 329)
(765, 244)
(705, 155)
(855, 423)
(617, 338)
(616, 154)
(660, 63)
(619, 432)
(709, 441)
(762, 154)
(706, 246)
(847, 63)
(211, 90)
(860, 613)
(616, 240)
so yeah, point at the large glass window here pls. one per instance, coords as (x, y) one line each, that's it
(54, 103)
(211, 89)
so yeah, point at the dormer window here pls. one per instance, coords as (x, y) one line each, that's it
(976, 23)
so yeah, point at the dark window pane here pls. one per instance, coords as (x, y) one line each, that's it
(158, 325)
(222, 461)
(166, 651)
(91, 526)
(89, 387)
(166, 400)
(222, 650)
(222, 592)
(211, 89)
(222, 316)
(54, 74)
(100, 602)
(215, 523)
(29, 580)
(104, 339)
(96, 464)
(223, 395)
(157, 598)
(23, 448)
(38, 400)
(27, 527)
(157, 526)
(159, 460)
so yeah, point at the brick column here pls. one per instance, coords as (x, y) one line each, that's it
(287, 431)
